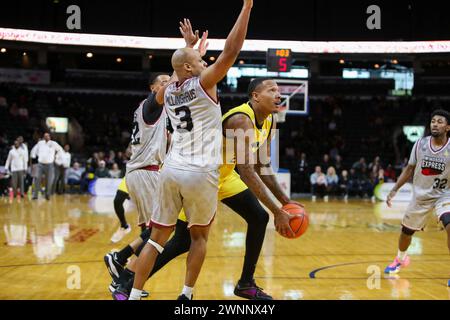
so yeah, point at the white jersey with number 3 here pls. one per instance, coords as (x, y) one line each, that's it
(432, 172)
(196, 120)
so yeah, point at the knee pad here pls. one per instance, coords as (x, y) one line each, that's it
(408, 231)
(157, 246)
(445, 218)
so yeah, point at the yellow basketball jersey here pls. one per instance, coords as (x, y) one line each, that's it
(261, 134)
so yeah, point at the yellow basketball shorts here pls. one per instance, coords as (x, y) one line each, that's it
(123, 186)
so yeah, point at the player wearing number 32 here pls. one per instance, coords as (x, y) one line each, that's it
(429, 165)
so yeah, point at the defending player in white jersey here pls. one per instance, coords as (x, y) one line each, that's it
(429, 165)
(189, 178)
(148, 144)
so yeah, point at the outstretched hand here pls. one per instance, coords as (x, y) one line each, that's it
(190, 37)
(203, 46)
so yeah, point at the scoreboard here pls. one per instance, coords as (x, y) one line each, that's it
(279, 60)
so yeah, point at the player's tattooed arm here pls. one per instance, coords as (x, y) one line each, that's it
(234, 127)
(266, 173)
(405, 176)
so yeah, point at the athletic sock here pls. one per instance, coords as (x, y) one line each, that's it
(187, 291)
(135, 294)
(124, 254)
(401, 255)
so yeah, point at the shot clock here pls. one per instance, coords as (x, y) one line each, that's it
(279, 60)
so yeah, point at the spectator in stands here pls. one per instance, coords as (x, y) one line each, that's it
(344, 184)
(16, 164)
(353, 183)
(338, 166)
(376, 163)
(332, 181)
(45, 152)
(74, 177)
(360, 165)
(115, 172)
(380, 178)
(366, 187)
(303, 169)
(62, 163)
(390, 174)
(318, 184)
(92, 162)
(326, 163)
(102, 171)
(111, 158)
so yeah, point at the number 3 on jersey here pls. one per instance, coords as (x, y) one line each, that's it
(185, 118)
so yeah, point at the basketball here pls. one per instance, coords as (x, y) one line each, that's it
(299, 223)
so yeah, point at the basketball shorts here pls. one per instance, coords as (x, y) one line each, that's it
(142, 186)
(123, 186)
(417, 212)
(231, 185)
(195, 192)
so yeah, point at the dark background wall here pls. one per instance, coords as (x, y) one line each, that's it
(295, 20)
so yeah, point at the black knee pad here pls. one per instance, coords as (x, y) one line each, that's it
(445, 218)
(408, 231)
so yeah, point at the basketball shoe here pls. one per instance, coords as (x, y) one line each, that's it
(120, 233)
(397, 264)
(183, 297)
(120, 293)
(249, 290)
(113, 266)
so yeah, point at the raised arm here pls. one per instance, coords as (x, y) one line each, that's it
(245, 164)
(233, 45)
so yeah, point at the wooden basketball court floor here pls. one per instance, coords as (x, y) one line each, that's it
(54, 250)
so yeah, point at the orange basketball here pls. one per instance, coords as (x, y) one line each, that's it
(299, 223)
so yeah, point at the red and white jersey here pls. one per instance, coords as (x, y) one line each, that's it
(432, 172)
(197, 122)
(148, 141)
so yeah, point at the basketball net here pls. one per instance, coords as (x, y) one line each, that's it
(290, 88)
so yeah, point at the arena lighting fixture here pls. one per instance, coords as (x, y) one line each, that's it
(342, 61)
(3, 50)
(394, 61)
(331, 47)
(212, 59)
(241, 61)
(119, 60)
(150, 57)
(24, 54)
(377, 66)
(89, 55)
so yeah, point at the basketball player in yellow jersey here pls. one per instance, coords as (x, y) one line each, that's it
(241, 193)
(248, 130)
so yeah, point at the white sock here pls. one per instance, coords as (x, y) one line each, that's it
(135, 294)
(401, 255)
(187, 291)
